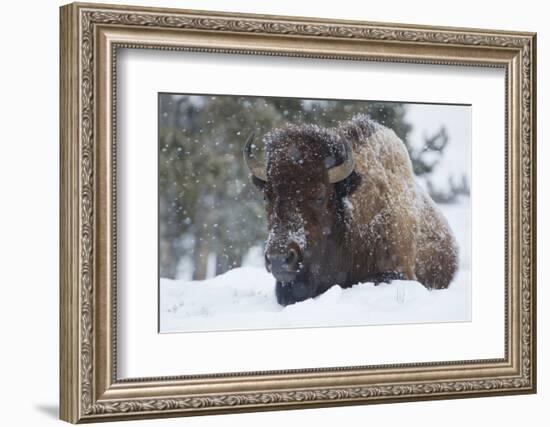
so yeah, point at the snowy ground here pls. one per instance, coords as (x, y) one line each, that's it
(244, 298)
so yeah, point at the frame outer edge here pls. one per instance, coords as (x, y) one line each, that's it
(305, 19)
(69, 355)
(533, 124)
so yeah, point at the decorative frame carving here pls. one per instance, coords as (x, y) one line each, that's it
(90, 36)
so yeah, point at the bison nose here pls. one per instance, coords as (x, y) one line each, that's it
(284, 265)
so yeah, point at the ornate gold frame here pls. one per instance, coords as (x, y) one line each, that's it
(90, 36)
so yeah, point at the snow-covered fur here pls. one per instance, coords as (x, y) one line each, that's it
(376, 225)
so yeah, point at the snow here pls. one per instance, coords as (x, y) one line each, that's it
(244, 298)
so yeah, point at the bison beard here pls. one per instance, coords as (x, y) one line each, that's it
(343, 208)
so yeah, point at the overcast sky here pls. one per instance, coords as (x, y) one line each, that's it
(427, 119)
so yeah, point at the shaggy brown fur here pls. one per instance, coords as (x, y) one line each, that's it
(376, 225)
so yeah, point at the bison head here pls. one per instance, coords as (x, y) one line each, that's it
(307, 173)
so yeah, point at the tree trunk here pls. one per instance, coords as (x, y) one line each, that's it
(169, 250)
(222, 264)
(201, 252)
(203, 223)
(168, 259)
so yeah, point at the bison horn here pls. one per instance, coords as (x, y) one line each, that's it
(343, 170)
(255, 166)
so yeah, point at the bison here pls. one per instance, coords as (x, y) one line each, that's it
(343, 207)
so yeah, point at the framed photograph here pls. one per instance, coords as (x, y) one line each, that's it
(266, 212)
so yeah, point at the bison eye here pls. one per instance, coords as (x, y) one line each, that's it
(267, 195)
